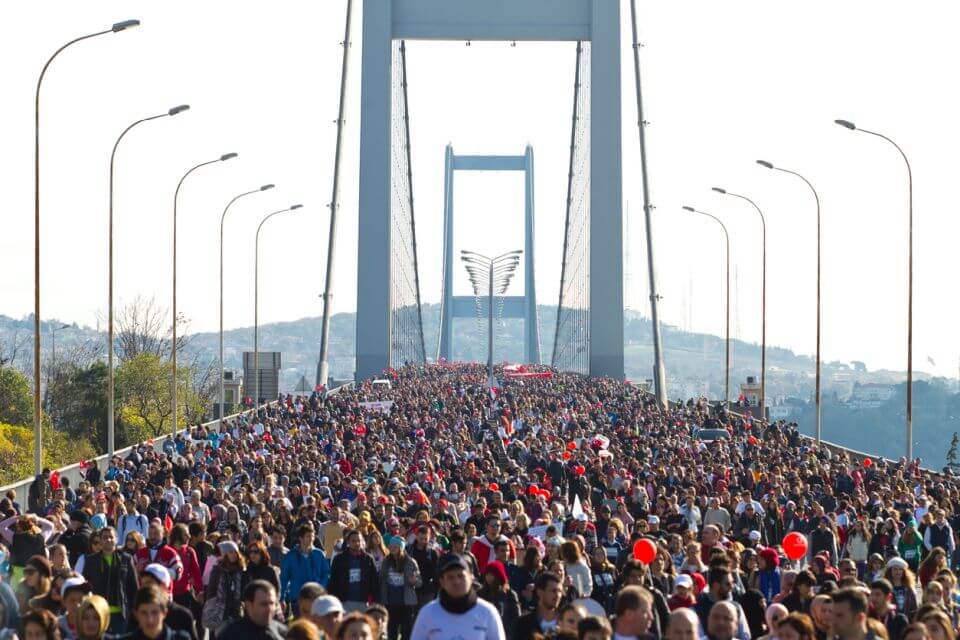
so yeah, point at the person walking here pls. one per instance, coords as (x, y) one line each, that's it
(399, 579)
(458, 611)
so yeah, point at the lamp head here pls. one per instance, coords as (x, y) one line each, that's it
(846, 123)
(295, 207)
(126, 24)
(719, 190)
(178, 109)
(764, 163)
(266, 187)
(686, 208)
(228, 156)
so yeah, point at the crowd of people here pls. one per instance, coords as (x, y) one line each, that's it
(432, 507)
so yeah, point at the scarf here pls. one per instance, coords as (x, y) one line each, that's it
(458, 605)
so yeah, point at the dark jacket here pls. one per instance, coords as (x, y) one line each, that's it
(117, 582)
(507, 604)
(428, 560)
(77, 542)
(527, 627)
(168, 634)
(179, 620)
(244, 629)
(339, 584)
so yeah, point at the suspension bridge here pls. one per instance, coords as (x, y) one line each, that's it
(589, 328)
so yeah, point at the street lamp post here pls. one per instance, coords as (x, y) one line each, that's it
(763, 302)
(173, 393)
(256, 304)
(222, 218)
(53, 351)
(726, 238)
(37, 409)
(493, 274)
(323, 364)
(853, 127)
(110, 347)
(816, 197)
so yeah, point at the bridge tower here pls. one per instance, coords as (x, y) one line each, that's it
(524, 306)
(593, 22)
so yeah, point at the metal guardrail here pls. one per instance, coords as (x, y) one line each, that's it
(76, 474)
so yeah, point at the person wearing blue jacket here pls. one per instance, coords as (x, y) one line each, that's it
(304, 563)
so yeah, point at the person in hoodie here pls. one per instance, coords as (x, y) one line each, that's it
(682, 595)
(496, 590)
(768, 573)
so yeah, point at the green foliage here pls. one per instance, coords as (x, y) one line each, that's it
(16, 451)
(16, 399)
(143, 384)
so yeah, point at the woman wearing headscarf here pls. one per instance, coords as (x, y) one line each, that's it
(93, 618)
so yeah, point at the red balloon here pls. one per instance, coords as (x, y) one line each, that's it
(567, 455)
(572, 446)
(360, 430)
(795, 545)
(493, 486)
(545, 493)
(644, 550)
(533, 490)
(867, 463)
(580, 470)
(752, 440)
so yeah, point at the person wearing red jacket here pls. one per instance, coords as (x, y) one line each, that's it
(483, 546)
(158, 552)
(192, 576)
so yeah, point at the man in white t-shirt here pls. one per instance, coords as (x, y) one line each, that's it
(457, 612)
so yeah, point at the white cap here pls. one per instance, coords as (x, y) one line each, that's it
(74, 582)
(159, 572)
(325, 605)
(755, 536)
(683, 580)
(653, 520)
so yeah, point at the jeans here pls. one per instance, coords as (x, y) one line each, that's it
(400, 622)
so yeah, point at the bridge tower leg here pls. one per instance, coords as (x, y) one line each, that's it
(373, 251)
(446, 300)
(606, 195)
(531, 327)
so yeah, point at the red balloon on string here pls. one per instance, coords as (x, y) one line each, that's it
(361, 430)
(752, 440)
(867, 463)
(493, 486)
(571, 446)
(545, 493)
(580, 470)
(795, 545)
(567, 455)
(644, 550)
(533, 490)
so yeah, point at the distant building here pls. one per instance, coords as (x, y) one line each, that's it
(780, 412)
(871, 395)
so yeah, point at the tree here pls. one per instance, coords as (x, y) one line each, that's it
(16, 451)
(145, 395)
(144, 386)
(16, 399)
(142, 327)
(952, 454)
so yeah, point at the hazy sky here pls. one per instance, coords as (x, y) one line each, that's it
(725, 83)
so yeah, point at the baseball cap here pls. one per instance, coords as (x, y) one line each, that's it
(683, 580)
(75, 582)
(159, 573)
(454, 561)
(325, 605)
